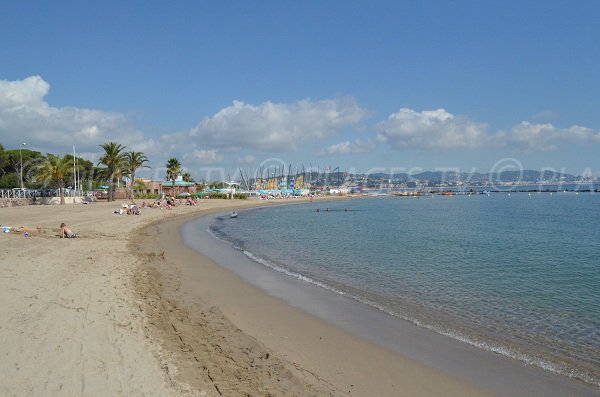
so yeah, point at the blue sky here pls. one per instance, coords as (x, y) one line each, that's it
(362, 85)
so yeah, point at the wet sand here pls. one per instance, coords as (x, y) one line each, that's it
(278, 348)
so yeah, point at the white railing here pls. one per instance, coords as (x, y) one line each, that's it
(31, 193)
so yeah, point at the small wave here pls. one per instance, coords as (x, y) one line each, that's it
(485, 345)
(299, 276)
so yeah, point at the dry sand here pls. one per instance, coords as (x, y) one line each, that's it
(117, 313)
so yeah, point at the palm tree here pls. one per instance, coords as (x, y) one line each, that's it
(140, 185)
(115, 161)
(187, 177)
(135, 160)
(55, 168)
(173, 170)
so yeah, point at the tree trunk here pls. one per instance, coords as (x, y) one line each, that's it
(111, 188)
(132, 181)
(61, 193)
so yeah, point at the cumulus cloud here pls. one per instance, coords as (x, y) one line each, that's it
(206, 157)
(277, 126)
(25, 116)
(348, 147)
(431, 129)
(546, 136)
(441, 130)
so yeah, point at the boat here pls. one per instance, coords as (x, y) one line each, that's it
(233, 215)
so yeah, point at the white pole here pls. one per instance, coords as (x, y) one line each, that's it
(77, 177)
(74, 170)
(21, 157)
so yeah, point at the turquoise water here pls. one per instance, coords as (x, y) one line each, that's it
(517, 274)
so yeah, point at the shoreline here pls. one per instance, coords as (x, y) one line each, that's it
(302, 290)
(476, 366)
(328, 360)
(70, 320)
(117, 312)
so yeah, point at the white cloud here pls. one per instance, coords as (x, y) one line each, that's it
(431, 129)
(22, 94)
(276, 126)
(26, 117)
(348, 147)
(546, 137)
(206, 157)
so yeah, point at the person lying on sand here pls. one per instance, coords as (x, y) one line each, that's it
(27, 231)
(133, 210)
(65, 231)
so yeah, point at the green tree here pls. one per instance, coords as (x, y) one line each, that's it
(85, 172)
(135, 160)
(3, 160)
(173, 170)
(187, 177)
(31, 160)
(140, 186)
(55, 169)
(115, 161)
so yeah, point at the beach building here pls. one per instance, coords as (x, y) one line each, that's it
(151, 187)
(338, 191)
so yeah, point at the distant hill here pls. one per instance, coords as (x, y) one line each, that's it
(453, 176)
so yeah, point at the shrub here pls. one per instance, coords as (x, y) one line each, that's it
(216, 195)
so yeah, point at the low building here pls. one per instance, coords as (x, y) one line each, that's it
(157, 188)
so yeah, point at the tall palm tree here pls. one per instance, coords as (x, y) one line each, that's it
(55, 169)
(135, 160)
(115, 161)
(173, 170)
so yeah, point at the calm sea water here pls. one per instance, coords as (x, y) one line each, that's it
(518, 274)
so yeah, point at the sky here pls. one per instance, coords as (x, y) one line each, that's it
(366, 86)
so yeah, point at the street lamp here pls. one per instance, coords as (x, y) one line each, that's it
(21, 156)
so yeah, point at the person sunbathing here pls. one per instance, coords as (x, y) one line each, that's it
(66, 232)
(27, 231)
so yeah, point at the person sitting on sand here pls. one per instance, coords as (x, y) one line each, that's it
(133, 210)
(65, 231)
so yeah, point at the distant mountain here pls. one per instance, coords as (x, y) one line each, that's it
(401, 176)
(453, 176)
(532, 175)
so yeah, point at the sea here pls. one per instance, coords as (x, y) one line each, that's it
(514, 273)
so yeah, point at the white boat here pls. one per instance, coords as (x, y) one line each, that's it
(233, 215)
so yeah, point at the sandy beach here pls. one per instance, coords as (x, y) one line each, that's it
(106, 314)
(70, 319)
(128, 309)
